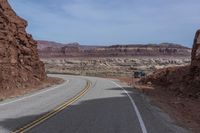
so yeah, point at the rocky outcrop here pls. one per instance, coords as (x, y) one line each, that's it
(183, 81)
(19, 61)
(195, 64)
(53, 49)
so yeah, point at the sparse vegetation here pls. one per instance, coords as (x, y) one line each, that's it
(124, 66)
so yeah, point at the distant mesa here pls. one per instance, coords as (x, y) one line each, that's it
(19, 61)
(54, 49)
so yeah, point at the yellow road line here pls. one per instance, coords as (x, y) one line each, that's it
(54, 111)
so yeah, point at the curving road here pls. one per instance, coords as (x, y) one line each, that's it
(84, 105)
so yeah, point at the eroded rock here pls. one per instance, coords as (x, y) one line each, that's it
(183, 81)
(53, 49)
(195, 64)
(19, 60)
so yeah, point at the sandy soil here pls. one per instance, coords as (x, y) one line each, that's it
(110, 66)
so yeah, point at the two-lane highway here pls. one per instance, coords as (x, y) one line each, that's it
(84, 105)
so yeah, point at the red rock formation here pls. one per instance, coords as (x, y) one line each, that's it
(195, 64)
(19, 62)
(184, 81)
(53, 49)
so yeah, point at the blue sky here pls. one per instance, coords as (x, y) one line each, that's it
(104, 22)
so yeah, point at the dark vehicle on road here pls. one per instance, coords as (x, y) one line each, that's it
(139, 74)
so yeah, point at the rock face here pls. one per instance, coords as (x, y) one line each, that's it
(19, 61)
(184, 81)
(53, 49)
(195, 64)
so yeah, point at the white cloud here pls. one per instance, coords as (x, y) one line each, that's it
(110, 21)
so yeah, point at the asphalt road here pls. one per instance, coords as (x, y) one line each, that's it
(85, 105)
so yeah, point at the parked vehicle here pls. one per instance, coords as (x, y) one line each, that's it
(139, 74)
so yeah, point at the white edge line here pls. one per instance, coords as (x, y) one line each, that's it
(35, 94)
(142, 125)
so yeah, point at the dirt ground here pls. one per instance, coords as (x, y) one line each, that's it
(10, 93)
(110, 66)
(185, 111)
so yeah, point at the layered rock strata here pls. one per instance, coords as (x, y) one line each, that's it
(19, 61)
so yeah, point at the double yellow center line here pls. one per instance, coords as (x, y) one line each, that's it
(54, 111)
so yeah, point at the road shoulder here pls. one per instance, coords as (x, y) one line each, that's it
(152, 112)
(19, 92)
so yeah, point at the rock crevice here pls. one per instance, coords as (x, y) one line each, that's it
(195, 64)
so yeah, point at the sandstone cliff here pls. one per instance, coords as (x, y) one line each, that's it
(53, 49)
(19, 61)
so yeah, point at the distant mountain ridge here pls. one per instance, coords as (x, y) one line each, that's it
(54, 49)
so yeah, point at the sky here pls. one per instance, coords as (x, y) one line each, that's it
(106, 22)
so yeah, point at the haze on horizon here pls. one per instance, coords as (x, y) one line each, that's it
(111, 22)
